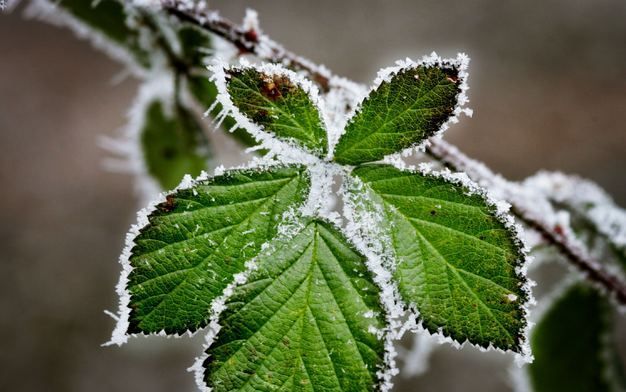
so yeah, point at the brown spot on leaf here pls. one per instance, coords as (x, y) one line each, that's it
(168, 205)
(452, 74)
(276, 86)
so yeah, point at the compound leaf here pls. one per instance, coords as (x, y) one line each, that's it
(456, 261)
(199, 238)
(305, 320)
(571, 348)
(278, 104)
(401, 112)
(173, 144)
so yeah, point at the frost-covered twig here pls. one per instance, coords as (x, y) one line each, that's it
(586, 199)
(534, 210)
(248, 38)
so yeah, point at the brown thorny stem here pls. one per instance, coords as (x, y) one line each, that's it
(249, 42)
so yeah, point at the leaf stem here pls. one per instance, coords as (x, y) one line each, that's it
(254, 43)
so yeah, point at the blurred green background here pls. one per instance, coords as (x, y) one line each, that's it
(548, 86)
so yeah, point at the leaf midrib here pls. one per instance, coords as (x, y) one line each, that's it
(387, 123)
(467, 287)
(233, 186)
(297, 127)
(292, 119)
(308, 278)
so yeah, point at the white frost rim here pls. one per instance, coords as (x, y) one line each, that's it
(501, 209)
(291, 226)
(460, 62)
(120, 335)
(285, 150)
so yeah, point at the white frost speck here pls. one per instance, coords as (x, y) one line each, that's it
(363, 231)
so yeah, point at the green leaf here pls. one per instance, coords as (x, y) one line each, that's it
(108, 17)
(279, 105)
(199, 238)
(302, 321)
(456, 261)
(570, 345)
(195, 43)
(400, 113)
(173, 145)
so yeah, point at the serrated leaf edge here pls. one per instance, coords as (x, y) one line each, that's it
(122, 318)
(378, 262)
(460, 62)
(287, 151)
(288, 229)
(503, 216)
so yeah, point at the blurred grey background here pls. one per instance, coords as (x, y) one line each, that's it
(548, 86)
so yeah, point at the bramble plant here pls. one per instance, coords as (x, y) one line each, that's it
(292, 293)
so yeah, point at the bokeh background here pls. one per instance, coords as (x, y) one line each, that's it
(548, 85)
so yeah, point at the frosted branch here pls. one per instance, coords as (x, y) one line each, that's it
(247, 38)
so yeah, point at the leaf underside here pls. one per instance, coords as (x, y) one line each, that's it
(456, 262)
(570, 345)
(199, 238)
(400, 113)
(173, 145)
(302, 321)
(306, 318)
(279, 105)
